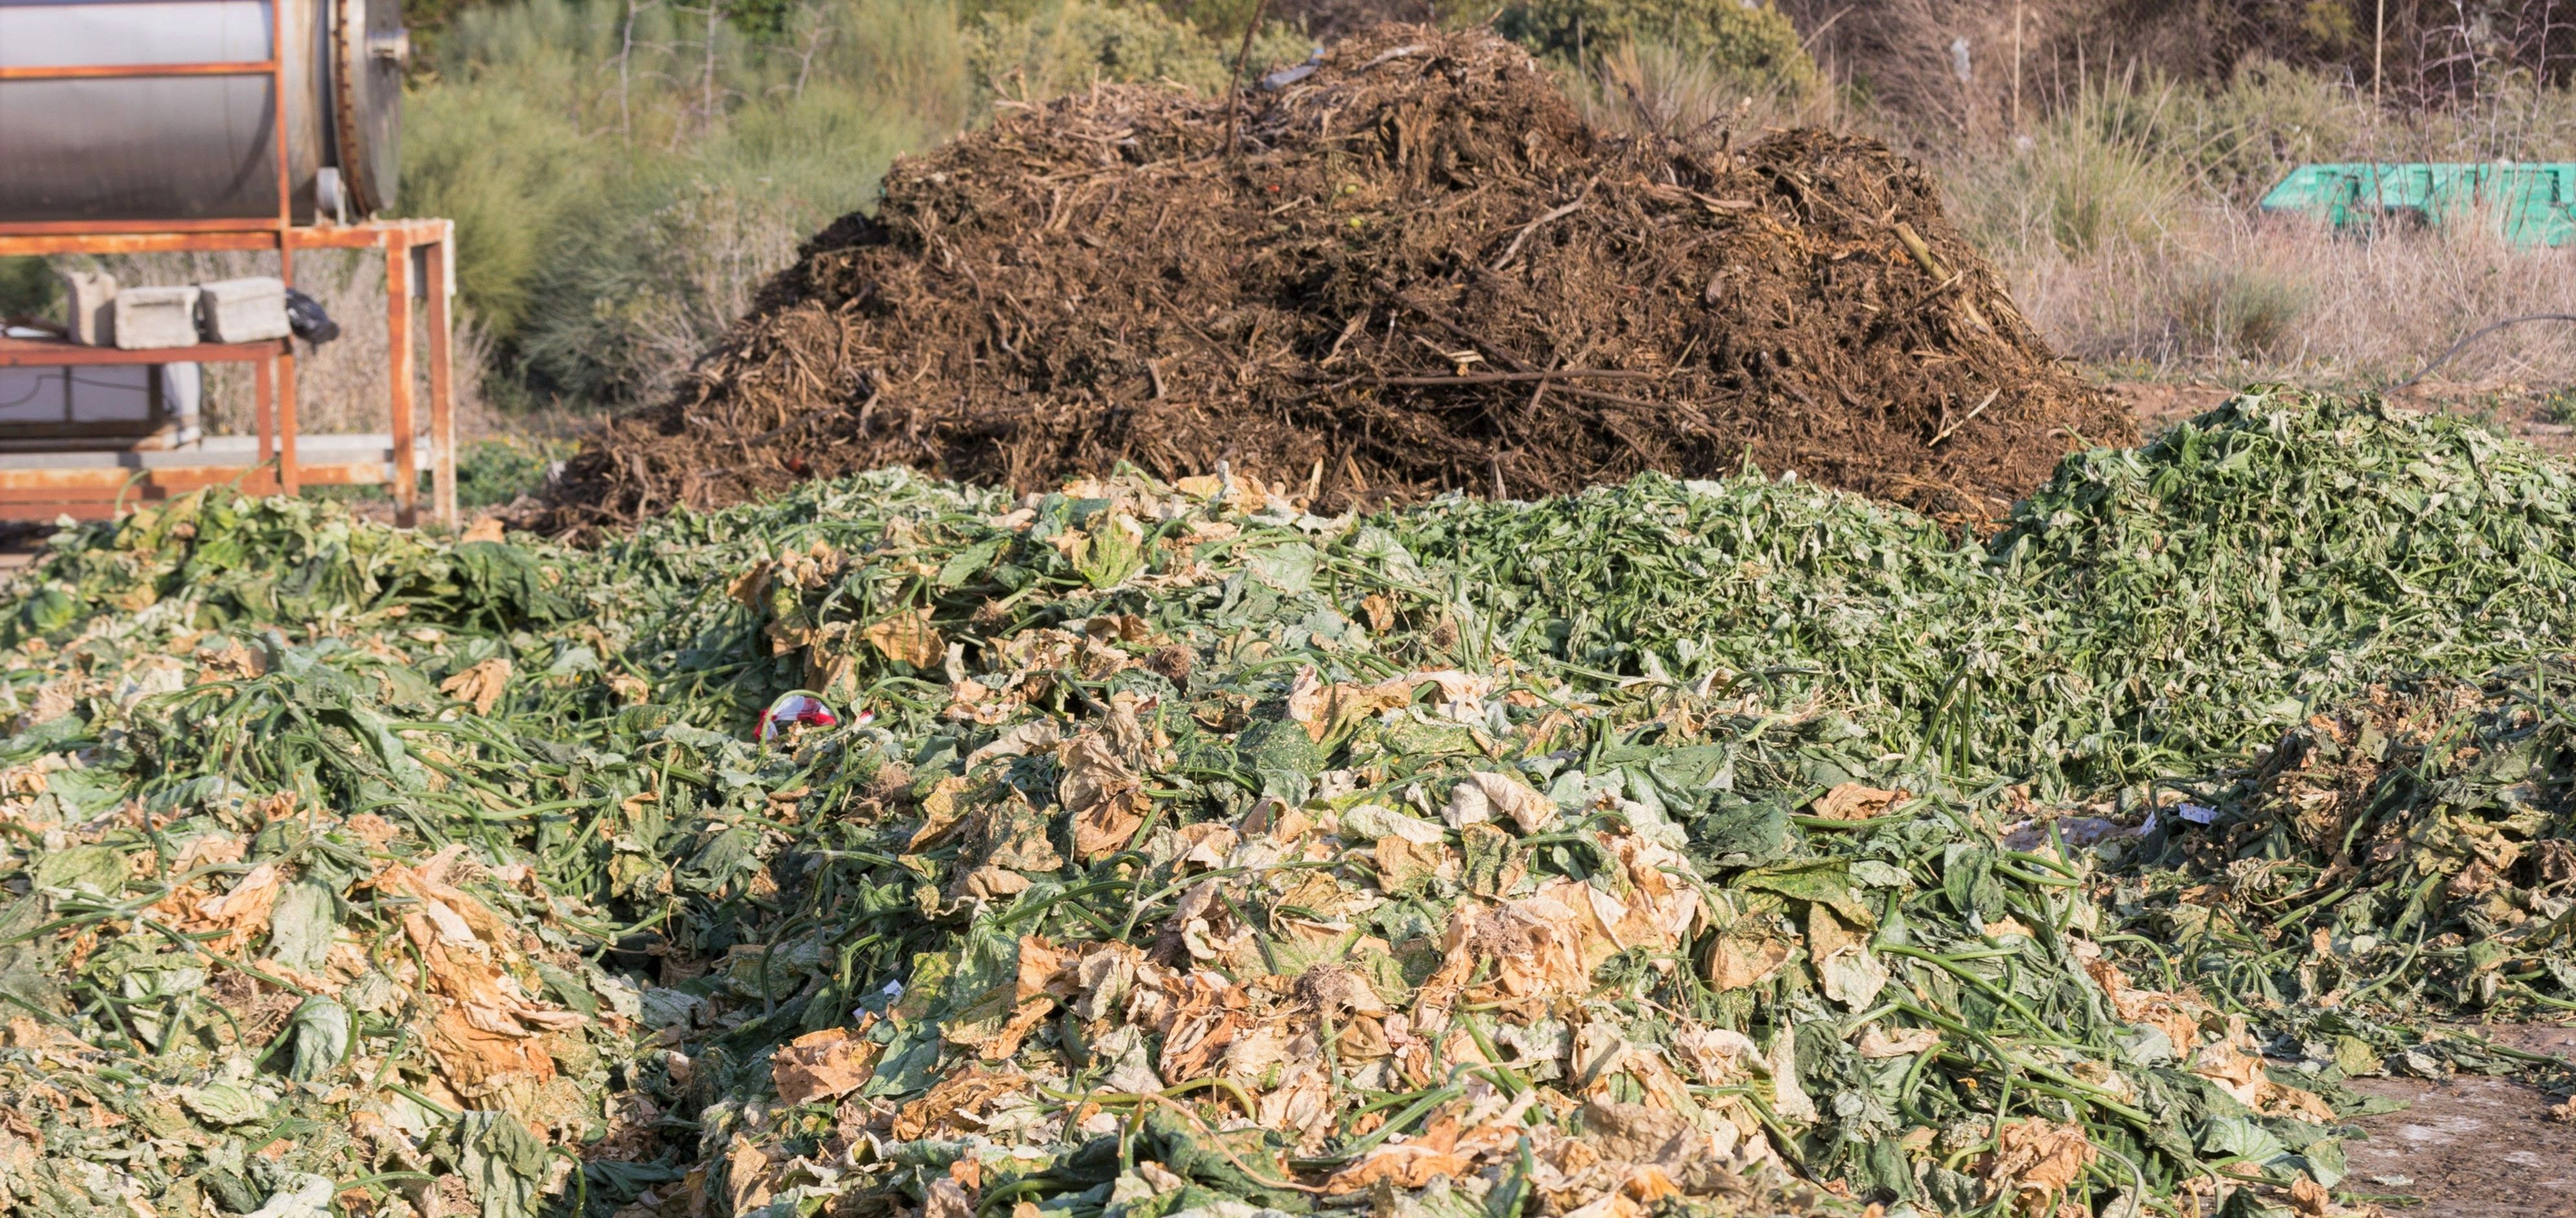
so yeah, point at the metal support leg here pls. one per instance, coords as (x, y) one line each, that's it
(442, 409)
(287, 481)
(398, 375)
(263, 398)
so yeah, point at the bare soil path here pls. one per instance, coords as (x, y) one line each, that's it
(2470, 1147)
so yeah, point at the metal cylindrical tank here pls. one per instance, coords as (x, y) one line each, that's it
(108, 147)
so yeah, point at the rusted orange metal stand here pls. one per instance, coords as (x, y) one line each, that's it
(94, 492)
(42, 494)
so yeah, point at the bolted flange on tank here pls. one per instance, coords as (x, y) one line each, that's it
(107, 148)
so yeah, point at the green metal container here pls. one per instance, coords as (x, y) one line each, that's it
(2533, 203)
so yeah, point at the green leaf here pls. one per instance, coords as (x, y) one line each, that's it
(301, 923)
(504, 1166)
(2242, 1137)
(321, 1029)
(225, 1103)
(1828, 884)
(96, 870)
(1111, 552)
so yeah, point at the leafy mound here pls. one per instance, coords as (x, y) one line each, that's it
(2147, 612)
(2412, 849)
(1178, 851)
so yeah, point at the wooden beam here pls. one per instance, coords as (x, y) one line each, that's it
(263, 404)
(202, 236)
(286, 472)
(370, 235)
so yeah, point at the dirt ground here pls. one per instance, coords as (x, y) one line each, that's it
(2469, 1147)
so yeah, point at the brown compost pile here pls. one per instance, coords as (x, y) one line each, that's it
(1415, 270)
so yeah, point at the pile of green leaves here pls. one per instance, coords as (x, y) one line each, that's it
(2149, 612)
(566, 741)
(2413, 851)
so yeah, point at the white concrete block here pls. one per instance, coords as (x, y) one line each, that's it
(242, 310)
(93, 298)
(147, 318)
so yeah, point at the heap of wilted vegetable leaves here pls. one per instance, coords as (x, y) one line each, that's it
(2415, 848)
(1173, 851)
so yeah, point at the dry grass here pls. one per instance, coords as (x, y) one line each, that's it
(2122, 212)
(2222, 296)
(2126, 222)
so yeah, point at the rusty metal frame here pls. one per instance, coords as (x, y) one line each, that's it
(114, 71)
(275, 362)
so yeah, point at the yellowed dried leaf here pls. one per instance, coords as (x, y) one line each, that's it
(1408, 1165)
(822, 1065)
(907, 637)
(480, 686)
(949, 1108)
(2036, 1158)
(2008, 926)
(241, 912)
(472, 1054)
(1486, 796)
(1854, 801)
(942, 811)
(1877, 1042)
(751, 588)
(1380, 612)
(1106, 800)
(1739, 960)
(746, 1168)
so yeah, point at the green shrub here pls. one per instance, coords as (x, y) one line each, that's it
(2085, 179)
(510, 172)
(629, 302)
(1034, 51)
(616, 208)
(1069, 44)
(493, 472)
(28, 288)
(1747, 39)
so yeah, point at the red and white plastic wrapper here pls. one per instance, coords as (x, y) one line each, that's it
(799, 710)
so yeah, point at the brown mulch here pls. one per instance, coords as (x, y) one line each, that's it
(1415, 271)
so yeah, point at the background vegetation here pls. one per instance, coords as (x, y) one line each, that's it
(625, 173)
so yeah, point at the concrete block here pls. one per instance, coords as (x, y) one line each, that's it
(242, 310)
(93, 299)
(148, 318)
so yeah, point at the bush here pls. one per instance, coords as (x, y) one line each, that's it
(28, 288)
(1071, 43)
(2083, 180)
(1746, 39)
(629, 303)
(2237, 311)
(490, 473)
(623, 178)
